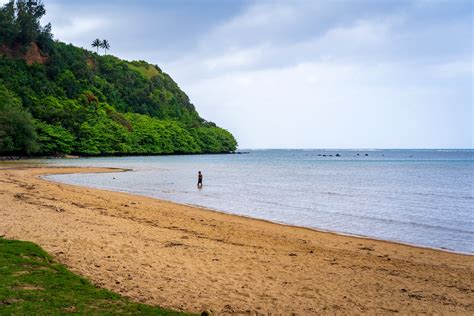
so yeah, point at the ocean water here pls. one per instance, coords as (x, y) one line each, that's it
(421, 197)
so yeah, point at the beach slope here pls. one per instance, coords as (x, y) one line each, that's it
(191, 259)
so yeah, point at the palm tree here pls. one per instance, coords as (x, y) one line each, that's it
(105, 45)
(97, 43)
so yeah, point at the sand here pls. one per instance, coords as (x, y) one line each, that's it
(191, 259)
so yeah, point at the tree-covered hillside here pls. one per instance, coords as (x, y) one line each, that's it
(60, 99)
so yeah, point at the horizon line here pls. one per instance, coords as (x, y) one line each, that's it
(349, 148)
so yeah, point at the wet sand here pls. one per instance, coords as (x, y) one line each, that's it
(191, 259)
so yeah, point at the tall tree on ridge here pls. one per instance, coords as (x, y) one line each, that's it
(28, 16)
(105, 45)
(8, 26)
(97, 43)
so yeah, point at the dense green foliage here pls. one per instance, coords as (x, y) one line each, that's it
(17, 131)
(82, 103)
(31, 283)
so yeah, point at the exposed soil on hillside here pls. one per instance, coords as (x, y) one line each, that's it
(31, 56)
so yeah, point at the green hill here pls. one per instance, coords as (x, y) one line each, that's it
(60, 99)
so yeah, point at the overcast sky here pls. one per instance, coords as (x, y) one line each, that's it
(302, 74)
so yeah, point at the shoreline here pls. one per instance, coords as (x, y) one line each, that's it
(319, 230)
(22, 158)
(209, 209)
(193, 259)
(315, 229)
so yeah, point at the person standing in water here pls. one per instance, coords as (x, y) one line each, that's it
(199, 179)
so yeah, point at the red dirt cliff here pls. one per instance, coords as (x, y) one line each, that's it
(31, 56)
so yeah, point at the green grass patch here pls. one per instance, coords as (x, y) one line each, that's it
(147, 71)
(32, 283)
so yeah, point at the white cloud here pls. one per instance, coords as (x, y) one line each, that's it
(235, 58)
(458, 68)
(332, 105)
(77, 27)
(304, 73)
(351, 84)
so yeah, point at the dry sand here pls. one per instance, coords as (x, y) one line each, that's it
(191, 259)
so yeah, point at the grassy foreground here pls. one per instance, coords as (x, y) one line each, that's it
(31, 283)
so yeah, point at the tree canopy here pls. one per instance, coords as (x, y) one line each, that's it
(20, 23)
(96, 44)
(105, 45)
(17, 130)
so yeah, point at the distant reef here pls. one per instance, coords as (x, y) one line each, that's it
(57, 99)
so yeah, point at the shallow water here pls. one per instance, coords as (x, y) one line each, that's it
(422, 197)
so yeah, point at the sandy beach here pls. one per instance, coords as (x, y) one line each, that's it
(191, 259)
